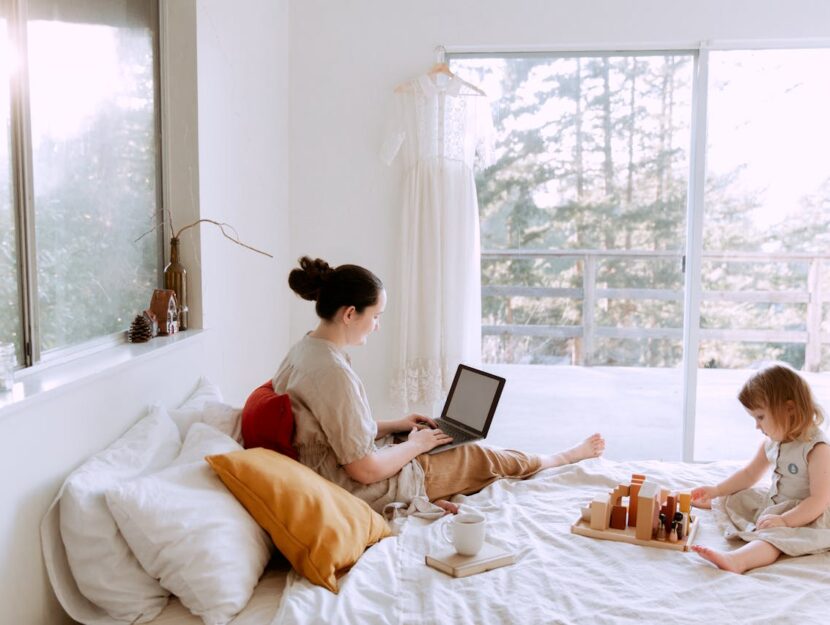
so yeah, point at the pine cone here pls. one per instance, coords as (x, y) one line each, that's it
(140, 330)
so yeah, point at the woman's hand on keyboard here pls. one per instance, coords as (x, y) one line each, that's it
(428, 438)
(416, 421)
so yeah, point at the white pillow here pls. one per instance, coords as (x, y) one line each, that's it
(224, 418)
(204, 392)
(102, 564)
(191, 533)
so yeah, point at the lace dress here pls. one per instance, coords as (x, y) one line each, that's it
(438, 129)
(738, 513)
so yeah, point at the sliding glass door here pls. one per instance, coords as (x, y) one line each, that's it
(583, 234)
(765, 267)
(584, 229)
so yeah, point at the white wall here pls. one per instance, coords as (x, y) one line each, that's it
(243, 180)
(241, 177)
(347, 56)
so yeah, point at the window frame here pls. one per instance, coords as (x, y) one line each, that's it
(22, 186)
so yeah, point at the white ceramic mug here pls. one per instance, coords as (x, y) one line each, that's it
(466, 532)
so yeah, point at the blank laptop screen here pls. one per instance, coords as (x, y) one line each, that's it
(472, 398)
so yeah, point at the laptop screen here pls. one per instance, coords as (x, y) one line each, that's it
(473, 398)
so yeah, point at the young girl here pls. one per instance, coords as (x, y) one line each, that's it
(335, 433)
(793, 517)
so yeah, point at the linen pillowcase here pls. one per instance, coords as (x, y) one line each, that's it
(104, 568)
(224, 418)
(318, 526)
(188, 531)
(267, 421)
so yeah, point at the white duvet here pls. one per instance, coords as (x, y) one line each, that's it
(560, 577)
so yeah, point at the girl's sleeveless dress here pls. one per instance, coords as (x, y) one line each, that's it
(737, 513)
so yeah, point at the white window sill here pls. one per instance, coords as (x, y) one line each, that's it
(45, 382)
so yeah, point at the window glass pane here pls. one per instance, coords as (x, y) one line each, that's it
(9, 297)
(766, 262)
(583, 222)
(94, 152)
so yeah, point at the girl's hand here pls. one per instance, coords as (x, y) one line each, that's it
(416, 421)
(702, 496)
(428, 438)
(768, 521)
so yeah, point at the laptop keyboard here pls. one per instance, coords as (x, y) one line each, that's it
(458, 435)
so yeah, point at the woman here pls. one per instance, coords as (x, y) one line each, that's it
(335, 432)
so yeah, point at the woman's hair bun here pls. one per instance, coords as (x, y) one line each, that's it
(309, 278)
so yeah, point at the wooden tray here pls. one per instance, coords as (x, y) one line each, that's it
(628, 535)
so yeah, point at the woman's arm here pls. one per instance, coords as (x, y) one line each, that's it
(386, 462)
(818, 469)
(403, 425)
(742, 479)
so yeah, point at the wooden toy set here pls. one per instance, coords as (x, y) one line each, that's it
(641, 513)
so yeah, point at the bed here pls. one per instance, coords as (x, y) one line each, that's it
(558, 576)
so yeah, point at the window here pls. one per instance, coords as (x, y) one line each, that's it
(81, 172)
(583, 216)
(585, 219)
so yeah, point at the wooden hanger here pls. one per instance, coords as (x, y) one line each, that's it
(440, 68)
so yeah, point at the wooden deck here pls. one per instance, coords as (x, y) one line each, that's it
(638, 410)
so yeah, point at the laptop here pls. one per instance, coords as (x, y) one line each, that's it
(470, 406)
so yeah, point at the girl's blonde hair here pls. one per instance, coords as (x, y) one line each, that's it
(771, 388)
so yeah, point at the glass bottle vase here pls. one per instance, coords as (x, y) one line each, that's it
(175, 277)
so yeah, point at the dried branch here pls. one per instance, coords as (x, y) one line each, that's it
(169, 220)
(222, 226)
(233, 236)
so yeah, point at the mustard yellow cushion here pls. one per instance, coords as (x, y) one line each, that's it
(319, 527)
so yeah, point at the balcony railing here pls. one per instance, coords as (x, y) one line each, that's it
(587, 333)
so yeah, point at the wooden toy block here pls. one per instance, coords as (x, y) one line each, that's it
(620, 492)
(685, 502)
(648, 510)
(664, 495)
(601, 512)
(671, 506)
(628, 535)
(605, 518)
(632, 504)
(619, 515)
(636, 477)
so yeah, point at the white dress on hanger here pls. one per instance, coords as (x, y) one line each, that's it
(438, 127)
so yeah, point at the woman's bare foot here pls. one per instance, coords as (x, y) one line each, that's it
(721, 560)
(591, 447)
(446, 505)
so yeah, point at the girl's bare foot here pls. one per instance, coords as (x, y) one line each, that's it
(591, 447)
(721, 560)
(752, 555)
(446, 505)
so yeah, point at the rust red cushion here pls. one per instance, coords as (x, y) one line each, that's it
(267, 421)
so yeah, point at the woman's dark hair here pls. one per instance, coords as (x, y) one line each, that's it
(331, 288)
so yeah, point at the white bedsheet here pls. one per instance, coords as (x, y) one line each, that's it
(560, 577)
